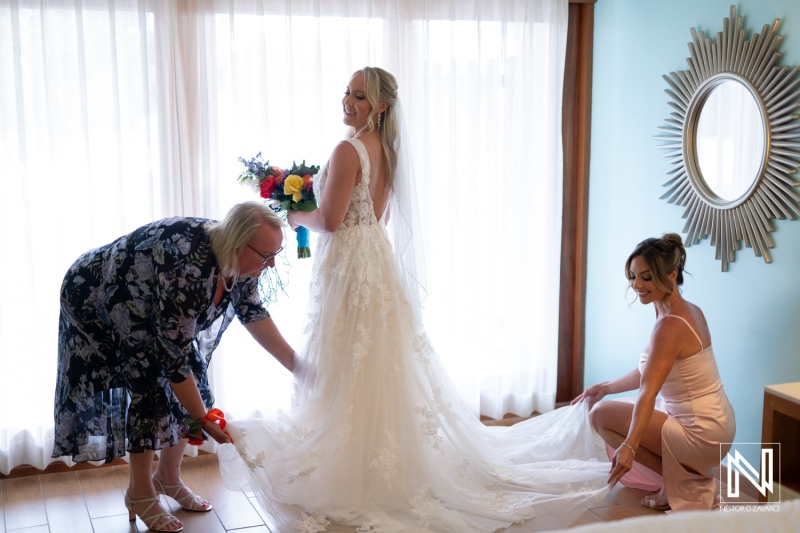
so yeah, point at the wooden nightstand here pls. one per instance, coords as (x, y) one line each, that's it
(781, 423)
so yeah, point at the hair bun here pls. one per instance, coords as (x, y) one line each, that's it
(673, 238)
(674, 241)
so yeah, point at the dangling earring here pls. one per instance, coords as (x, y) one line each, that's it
(379, 121)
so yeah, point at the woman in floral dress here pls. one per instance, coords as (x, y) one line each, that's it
(139, 320)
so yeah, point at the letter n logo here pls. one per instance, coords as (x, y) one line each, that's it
(763, 478)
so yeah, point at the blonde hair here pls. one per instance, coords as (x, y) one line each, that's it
(231, 234)
(662, 257)
(381, 86)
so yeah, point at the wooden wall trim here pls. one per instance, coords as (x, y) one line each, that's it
(56, 467)
(576, 131)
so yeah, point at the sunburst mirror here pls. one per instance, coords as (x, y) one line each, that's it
(733, 140)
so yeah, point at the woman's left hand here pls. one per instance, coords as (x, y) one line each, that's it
(621, 463)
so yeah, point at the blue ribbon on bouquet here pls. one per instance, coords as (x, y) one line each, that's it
(303, 250)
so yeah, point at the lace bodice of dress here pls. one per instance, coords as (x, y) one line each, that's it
(361, 210)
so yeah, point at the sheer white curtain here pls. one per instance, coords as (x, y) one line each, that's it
(117, 112)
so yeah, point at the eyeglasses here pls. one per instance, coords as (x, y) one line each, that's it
(266, 258)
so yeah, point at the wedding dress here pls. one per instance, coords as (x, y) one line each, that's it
(379, 439)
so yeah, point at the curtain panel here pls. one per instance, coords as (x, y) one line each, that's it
(114, 113)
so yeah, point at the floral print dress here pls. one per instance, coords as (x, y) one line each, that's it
(136, 314)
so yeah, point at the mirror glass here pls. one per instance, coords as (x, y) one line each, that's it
(730, 140)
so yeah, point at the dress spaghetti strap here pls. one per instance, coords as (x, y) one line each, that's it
(691, 328)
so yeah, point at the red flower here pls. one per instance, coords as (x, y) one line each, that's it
(267, 186)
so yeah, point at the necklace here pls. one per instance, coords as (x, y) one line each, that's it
(225, 283)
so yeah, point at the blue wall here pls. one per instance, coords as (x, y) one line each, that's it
(753, 310)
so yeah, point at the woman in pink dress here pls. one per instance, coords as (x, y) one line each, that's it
(675, 441)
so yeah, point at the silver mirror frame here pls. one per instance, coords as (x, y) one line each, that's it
(773, 192)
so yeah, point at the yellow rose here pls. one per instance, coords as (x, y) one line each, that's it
(293, 185)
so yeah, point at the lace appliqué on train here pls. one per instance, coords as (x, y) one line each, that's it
(361, 346)
(387, 458)
(311, 524)
(308, 466)
(424, 506)
(373, 526)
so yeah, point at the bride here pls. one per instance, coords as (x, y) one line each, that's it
(379, 439)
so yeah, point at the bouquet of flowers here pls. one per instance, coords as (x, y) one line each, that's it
(290, 189)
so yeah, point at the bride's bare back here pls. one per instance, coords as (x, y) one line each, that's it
(379, 174)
